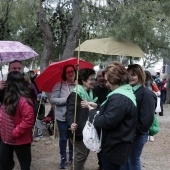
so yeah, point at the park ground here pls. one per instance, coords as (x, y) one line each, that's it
(155, 156)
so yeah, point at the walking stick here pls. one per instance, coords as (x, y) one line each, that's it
(75, 109)
(37, 116)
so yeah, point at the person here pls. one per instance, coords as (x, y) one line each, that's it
(59, 95)
(40, 110)
(146, 102)
(163, 90)
(85, 95)
(16, 121)
(158, 80)
(149, 82)
(117, 118)
(13, 66)
(32, 75)
(101, 91)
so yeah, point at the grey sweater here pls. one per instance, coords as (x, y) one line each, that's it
(58, 98)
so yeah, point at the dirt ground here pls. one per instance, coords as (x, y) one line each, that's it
(155, 156)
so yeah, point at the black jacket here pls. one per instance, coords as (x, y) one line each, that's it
(146, 104)
(118, 119)
(101, 92)
(81, 114)
(2, 92)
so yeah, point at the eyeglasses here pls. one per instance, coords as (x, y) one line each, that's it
(91, 79)
(70, 72)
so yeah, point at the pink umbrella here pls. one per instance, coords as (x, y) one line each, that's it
(14, 50)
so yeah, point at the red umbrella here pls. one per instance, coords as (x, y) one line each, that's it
(52, 74)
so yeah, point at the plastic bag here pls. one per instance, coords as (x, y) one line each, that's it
(91, 138)
(154, 129)
(158, 106)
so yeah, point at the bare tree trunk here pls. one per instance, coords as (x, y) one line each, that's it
(74, 32)
(48, 38)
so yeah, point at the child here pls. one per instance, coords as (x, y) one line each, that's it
(40, 110)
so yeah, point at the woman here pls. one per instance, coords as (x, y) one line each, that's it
(146, 101)
(117, 118)
(149, 82)
(59, 96)
(16, 121)
(85, 95)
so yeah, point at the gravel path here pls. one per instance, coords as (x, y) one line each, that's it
(155, 156)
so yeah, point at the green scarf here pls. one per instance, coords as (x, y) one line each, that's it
(134, 88)
(125, 90)
(84, 95)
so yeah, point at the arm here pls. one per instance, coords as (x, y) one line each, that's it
(112, 113)
(146, 110)
(55, 95)
(27, 118)
(70, 109)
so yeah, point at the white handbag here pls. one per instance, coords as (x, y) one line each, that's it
(91, 138)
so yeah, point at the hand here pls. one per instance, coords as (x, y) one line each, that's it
(2, 85)
(84, 104)
(73, 127)
(92, 104)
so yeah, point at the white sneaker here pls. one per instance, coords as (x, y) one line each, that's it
(151, 138)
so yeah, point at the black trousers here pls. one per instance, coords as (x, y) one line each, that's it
(23, 153)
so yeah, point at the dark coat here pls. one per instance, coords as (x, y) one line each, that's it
(81, 115)
(2, 92)
(146, 104)
(101, 92)
(118, 119)
(41, 108)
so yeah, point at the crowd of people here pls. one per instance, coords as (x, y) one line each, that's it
(125, 99)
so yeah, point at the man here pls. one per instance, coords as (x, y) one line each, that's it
(101, 91)
(13, 66)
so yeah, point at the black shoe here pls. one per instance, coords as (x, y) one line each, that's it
(63, 163)
(160, 113)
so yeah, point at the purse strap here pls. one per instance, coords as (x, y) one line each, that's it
(101, 128)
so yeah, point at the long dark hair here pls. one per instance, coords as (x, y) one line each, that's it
(16, 86)
(149, 80)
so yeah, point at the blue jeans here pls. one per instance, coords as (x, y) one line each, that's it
(64, 136)
(108, 165)
(134, 162)
(163, 96)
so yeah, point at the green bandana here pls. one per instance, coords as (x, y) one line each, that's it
(84, 95)
(125, 90)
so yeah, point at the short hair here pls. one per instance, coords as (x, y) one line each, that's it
(63, 76)
(116, 74)
(14, 61)
(84, 74)
(138, 70)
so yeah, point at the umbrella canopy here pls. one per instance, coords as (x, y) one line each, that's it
(14, 50)
(52, 74)
(109, 46)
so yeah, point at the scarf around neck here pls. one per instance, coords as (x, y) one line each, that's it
(125, 90)
(84, 95)
(134, 88)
